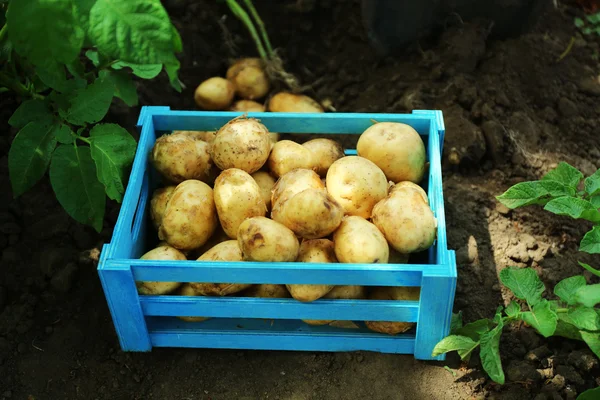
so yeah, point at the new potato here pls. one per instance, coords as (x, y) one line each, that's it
(266, 291)
(392, 293)
(326, 152)
(340, 292)
(215, 93)
(313, 251)
(158, 288)
(266, 183)
(262, 239)
(287, 156)
(249, 78)
(181, 156)
(225, 251)
(247, 106)
(359, 241)
(187, 290)
(293, 103)
(295, 182)
(158, 204)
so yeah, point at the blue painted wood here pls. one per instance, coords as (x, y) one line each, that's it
(123, 302)
(239, 307)
(272, 335)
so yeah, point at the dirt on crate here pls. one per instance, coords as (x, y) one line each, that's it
(513, 111)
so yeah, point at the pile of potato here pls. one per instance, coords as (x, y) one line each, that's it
(239, 194)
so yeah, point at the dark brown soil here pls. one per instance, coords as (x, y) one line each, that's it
(512, 112)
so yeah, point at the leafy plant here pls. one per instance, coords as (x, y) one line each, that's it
(67, 59)
(590, 25)
(573, 316)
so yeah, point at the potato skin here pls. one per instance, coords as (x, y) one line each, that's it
(326, 152)
(359, 241)
(266, 291)
(158, 204)
(206, 136)
(392, 293)
(247, 106)
(241, 143)
(159, 288)
(242, 63)
(294, 103)
(215, 93)
(295, 182)
(287, 156)
(340, 292)
(406, 221)
(407, 185)
(396, 148)
(181, 156)
(313, 251)
(225, 251)
(311, 214)
(237, 197)
(262, 239)
(190, 217)
(251, 83)
(187, 290)
(266, 183)
(357, 184)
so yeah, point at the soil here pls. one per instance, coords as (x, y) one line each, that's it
(512, 112)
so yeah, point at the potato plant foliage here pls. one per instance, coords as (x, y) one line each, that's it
(67, 59)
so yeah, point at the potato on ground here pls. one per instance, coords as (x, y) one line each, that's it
(357, 184)
(392, 293)
(262, 239)
(311, 214)
(180, 156)
(359, 241)
(190, 217)
(266, 290)
(215, 93)
(242, 143)
(396, 148)
(326, 152)
(293, 103)
(187, 290)
(249, 78)
(247, 106)
(347, 292)
(158, 204)
(287, 156)
(226, 251)
(266, 183)
(313, 251)
(295, 182)
(242, 63)
(159, 288)
(237, 197)
(406, 221)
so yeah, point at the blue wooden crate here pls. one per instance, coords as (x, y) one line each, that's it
(143, 322)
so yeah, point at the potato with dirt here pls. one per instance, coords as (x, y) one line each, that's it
(266, 291)
(247, 106)
(406, 220)
(266, 183)
(357, 184)
(326, 152)
(288, 155)
(206, 136)
(313, 251)
(294, 103)
(295, 182)
(190, 217)
(237, 197)
(158, 204)
(225, 251)
(396, 148)
(407, 185)
(160, 288)
(242, 143)
(311, 214)
(214, 94)
(392, 293)
(187, 290)
(249, 78)
(359, 241)
(347, 292)
(262, 239)
(181, 156)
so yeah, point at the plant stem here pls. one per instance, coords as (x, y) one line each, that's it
(3, 32)
(261, 27)
(83, 139)
(17, 87)
(243, 16)
(590, 269)
(562, 310)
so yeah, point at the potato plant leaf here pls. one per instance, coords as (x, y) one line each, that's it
(565, 174)
(542, 317)
(592, 339)
(144, 71)
(53, 75)
(591, 241)
(73, 178)
(124, 87)
(475, 329)
(584, 318)
(172, 69)
(595, 200)
(490, 352)
(64, 135)
(592, 183)
(536, 192)
(29, 111)
(113, 149)
(524, 283)
(566, 329)
(30, 154)
(513, 310)
(456, 322)
(461, 344)
(588, 295)
(44, 30)
(590, 394)
(82, 12)
(567, 288)
(136, 31)
(90, 104)
(574, 208)
(93, 56)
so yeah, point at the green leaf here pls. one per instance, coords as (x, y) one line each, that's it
(593, 18)
(136, 31)
(513, 310)
(590, 394)
(177, 43)
(28, 111)
(93, 56)
(113, 149)
(524, 283)
(44, 30)
(490, 353)
(461, 344)
(595, 200)
(82, 12)
(76, 68)
(592, 183)
(73, 178)
(537, 192)
(579, 22)
(574, 208)
(566, 329)
(124, 87)
(456, 322)
(565, 174)
(91, 104)
(588, 295)
(52, 75)
(592, 339)
(29, 155)
(475, 329)
(172, 69)
(567, 288)
(64, 134)
(591, 241)
(542, 317)
(144, 71)
(584, 318)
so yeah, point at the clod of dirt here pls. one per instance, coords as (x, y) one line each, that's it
(493, 132)
(570, 374)
(567, 108)
(590, 85)
(464, 47)
(63, 280)
(582, 360)
(53, 258)
(570, 393)
(537, 354)
(520, 371)
(464, 140)
(558, 382)
(49, 226)
(553, 395)
(526, 132)
(467, 97)
(518, 252)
